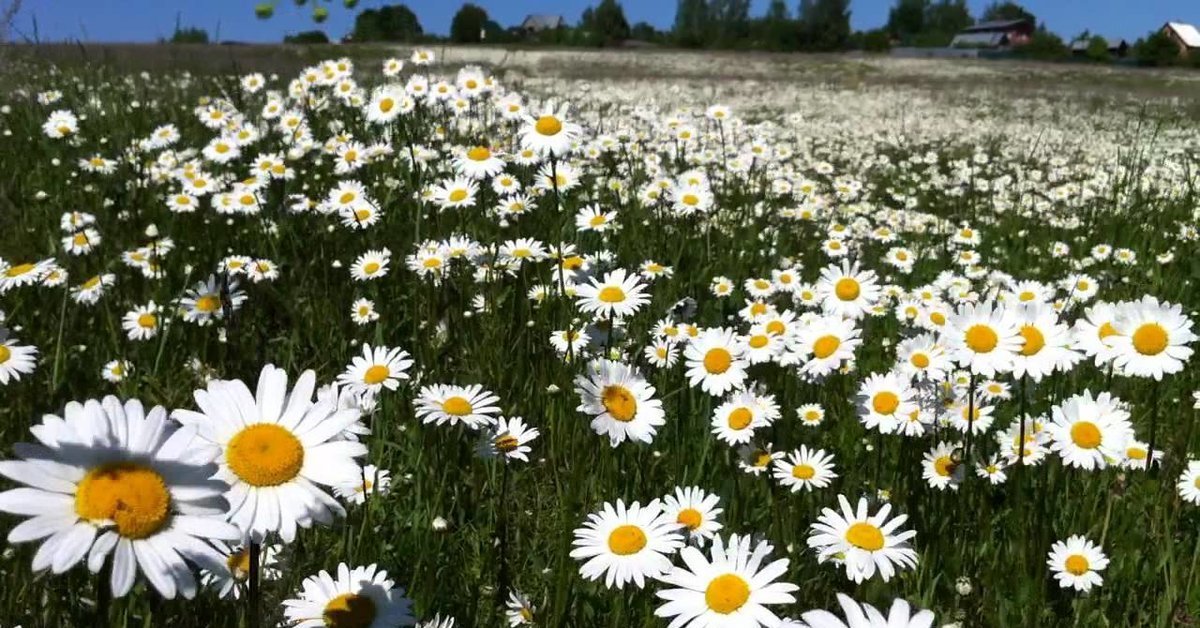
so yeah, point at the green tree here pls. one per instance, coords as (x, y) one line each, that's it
(732, 21)
(1007, 10)
(906, 20)
(1158, 50)
(1097, 49)
(878, 40)
(189, 35)
(306, 38)
(1045, 45)
(645, 31)
(608, 23)
(693, 25)
(825, 24)
(778, 31)
(388, 23)
(468, 24)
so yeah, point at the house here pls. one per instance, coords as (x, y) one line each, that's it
(1117, 46)
(998, 34)
(1185, 36)
(538, 23)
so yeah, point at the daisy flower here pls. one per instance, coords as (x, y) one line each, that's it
(518, 611)
(865, 543)
(621, 402)
(277, 447)
(1090, 432)
(732, 589)
(810, 414)
(141, 323)
(15, 359)
(508, 439)
(992, 470)
(1153, 338)
(1045, 344)
(592, 218)
(1075, 563)
(714, 361)
(805, 469)
(376, 369)
(109, 478)
(885, 400)
(360, 597)
(1189, 483)
(232, 577)
(760, 345)
(847, 291)
(470, 405)
(362, 311)
(550, 133)
(983, 338)
(1094, 332)
(866, 616)
(823, 345)
(941, 468)
(922, 358)
(661, 354)
(735, 420)
(205, 302)
(626, 544)
(621, 294)
(371, 481)
(371, 265)
(116, 371)
(696, 511)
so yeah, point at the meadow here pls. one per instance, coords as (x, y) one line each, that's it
(597, 339)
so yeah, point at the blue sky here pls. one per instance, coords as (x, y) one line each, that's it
(147, 20)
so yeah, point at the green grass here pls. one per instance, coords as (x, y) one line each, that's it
(997, 537)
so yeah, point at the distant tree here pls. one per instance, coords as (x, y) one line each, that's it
(906, 20)
(189, 35)
(1008, 10)
(732, 21)
(1097, 49)
(394, 22)
(878, 40)
(776, 30)
(825, 24)
(1045, 45)
(693, 24)
(1157, 50)
(608, 23)
(644, 31)
(468, 24)
(307, 38)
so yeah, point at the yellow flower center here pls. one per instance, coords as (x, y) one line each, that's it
(371, 268)
(937, 318)
(132, 495)
(1026, 296)
(981, 339)
(803, 472)
(865, 536)
(740, 418)
(376, 374)
(826, 346)
(727, 593)
(1135, 453)
(919, 360)
(362, 214)
(761, 284)
(944, 466)
(265, 454)
(1086, 435)
(457, 406)
(758, 309)
(346, 198)
(507, 443)
(479, 153)
(1106, 330)
(598, 220)
(79, 239)
(619, 402)
(1034, 340)
(626, 540)
(1076, 565)
(611, 294)
(548, 125)
(432, 262)
(885, 402)
(208, 303)
(690, 518)
(457, 195)
(758, 342)
(847, 289)
(690, 199)
(238, 564)
(91, 283)
(812, 416)
(1150, 339)
(386, 105)
(349, 610)
(18, 270)
(573, 262)
(5, 354)
(776, 328)
(717, 360)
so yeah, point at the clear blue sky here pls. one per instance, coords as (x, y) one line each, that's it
(148, 20)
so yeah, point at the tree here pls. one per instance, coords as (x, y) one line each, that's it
(693, 25)
(1157, 49)
(877, 41)
(644, 31)
(906, 20)
(943, 20)
(189, 35)
(468, 24)
(778, 31)
(307, 37)
(388, 23)
(732, 20)
(608, 23)
(1045, 45)
(1008, 10)
(1097, 49)
(824, 24)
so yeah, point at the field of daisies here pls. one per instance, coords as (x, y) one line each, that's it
(416, 343)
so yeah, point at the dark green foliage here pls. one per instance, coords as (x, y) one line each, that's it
(1157, 50)
(307, 38)
(394, 22)
(189, 35)
(1001, 11)
(468, 24)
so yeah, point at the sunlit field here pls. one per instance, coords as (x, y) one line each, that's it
(575, 342)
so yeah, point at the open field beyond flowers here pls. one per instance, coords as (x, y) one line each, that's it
(589, 340)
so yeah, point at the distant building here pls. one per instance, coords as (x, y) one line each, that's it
(995, 35)
(538, 23)
(1117, 46)
(1185, 36)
